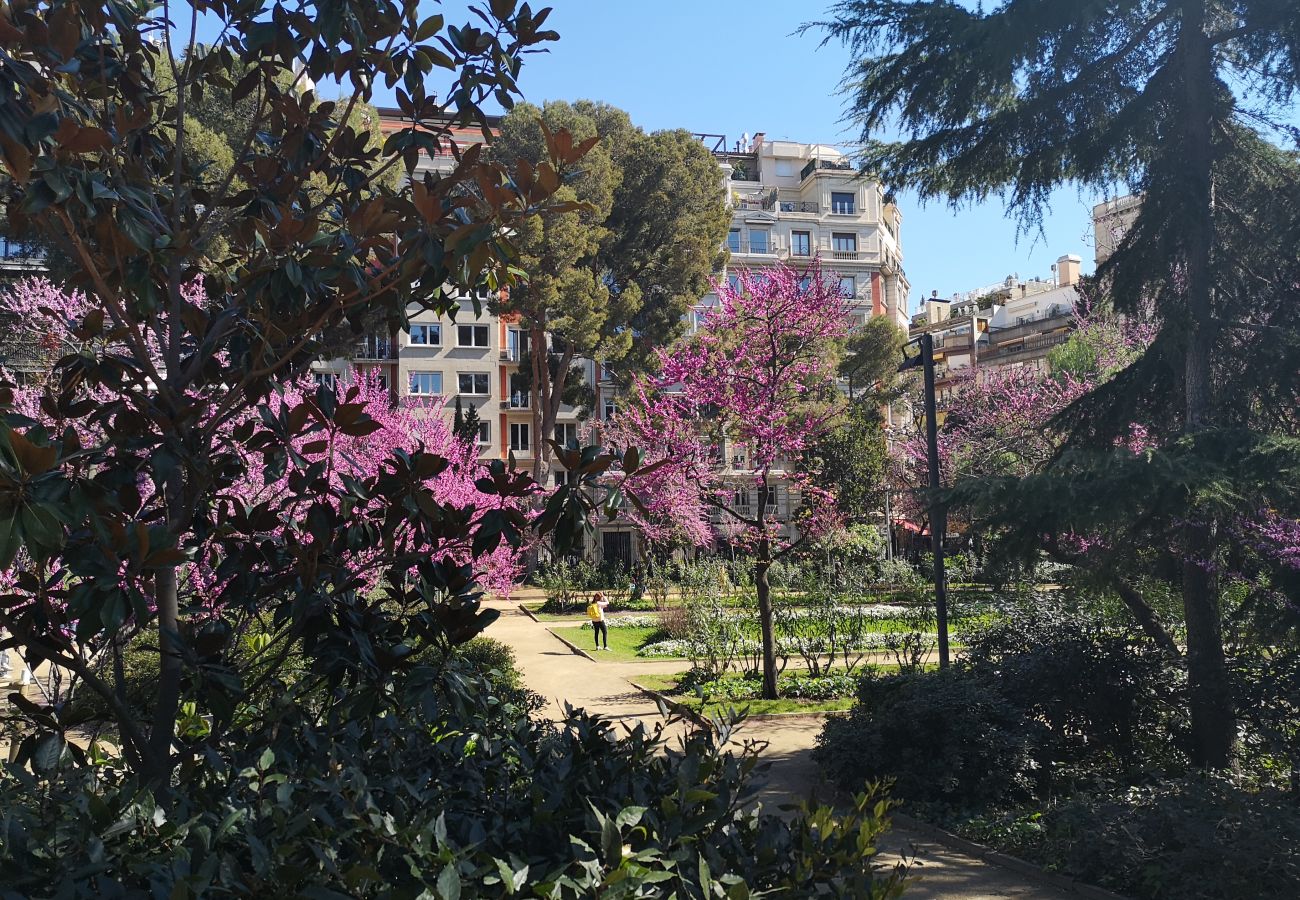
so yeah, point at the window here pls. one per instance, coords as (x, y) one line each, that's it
(758, 241)
(562, 478)
(472, 383)
(484, 433)
(611, 409)
(516, 344)
(382, 381)
(841, 203)
(847, 287)
(519, 437)
(472, 335)
(325, 379)
(426, 335)
(520, 394)
(733, 282)
(741, 499)
(566, 434)
(425, 384)
(805, 283)
(801, 243)
(733, 240)
(844, 246)
(785, 168)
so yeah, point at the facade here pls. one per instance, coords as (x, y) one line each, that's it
(471, 357)
(1111, 220)
(791, 203)
(1012, 323)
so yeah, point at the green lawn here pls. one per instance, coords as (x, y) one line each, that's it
(623, 642)
(666, 684)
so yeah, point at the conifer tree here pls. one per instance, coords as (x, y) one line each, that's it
(1024, 97)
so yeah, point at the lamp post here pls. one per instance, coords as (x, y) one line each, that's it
(938, 515)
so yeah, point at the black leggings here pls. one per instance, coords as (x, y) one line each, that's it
(600, 628)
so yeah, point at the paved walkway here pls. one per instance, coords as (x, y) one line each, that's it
(553, 670)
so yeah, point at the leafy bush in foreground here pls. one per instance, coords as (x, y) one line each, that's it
(446, 791)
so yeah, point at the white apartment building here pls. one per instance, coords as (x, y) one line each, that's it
(1011, 323)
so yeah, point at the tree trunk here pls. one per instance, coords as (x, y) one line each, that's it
(1213, 718)
(1146, 616)
(762, 564)
(158, 765)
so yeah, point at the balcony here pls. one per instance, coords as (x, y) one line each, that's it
(517, 400)
(835, 165)
(800, 206)
(1029, 347)
(752, 248)
(848, 255)
(1055, 318)
(376, 348)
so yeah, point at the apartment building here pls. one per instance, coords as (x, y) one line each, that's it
(471, 356)
(1111, 220)
(1011, 323)
(790, 203)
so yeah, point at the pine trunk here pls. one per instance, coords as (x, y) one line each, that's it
(1213, 719)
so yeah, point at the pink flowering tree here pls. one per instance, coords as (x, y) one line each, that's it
(316, 496)
(732, 409)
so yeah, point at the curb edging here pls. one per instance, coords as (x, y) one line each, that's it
(571, 645)
(1002, 860)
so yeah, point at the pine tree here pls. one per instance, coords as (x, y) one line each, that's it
(1028, 96)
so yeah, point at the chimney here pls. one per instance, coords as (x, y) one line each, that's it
(1067, 270)
(756, 145)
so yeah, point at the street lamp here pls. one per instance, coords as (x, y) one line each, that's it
(938, 515)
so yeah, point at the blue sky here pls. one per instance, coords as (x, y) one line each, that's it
(732, 68)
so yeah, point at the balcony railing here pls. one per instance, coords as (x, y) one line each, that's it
(517, 400)
(800, 206)
(845, 254)
(376, 348)
(1030, 345)
(20, 252)
(1056, 317)
(752, 248)
(838, 165)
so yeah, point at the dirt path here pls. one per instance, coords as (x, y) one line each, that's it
(553, 670)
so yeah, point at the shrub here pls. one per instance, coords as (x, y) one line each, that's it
(946, 737)
(1111, 700)
(1208, 838)
(447, 791)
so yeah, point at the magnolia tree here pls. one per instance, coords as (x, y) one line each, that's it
(137, 472)
(757, 381)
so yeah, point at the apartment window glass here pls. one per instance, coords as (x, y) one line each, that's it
(759, 241)
(516, 344)
(847, 287)
(425, 384)
(426, 335)
(472, 335)
(520, 395)
(472, 383)
(841, 203)
(566, 434)
(484, 433)
(733, 282)
(325, 379)
(611, 409)
(733, 240)
(801, 243)
(561, 477)
(519, 436)
(382, 381)
(741, 499)
(844, 246)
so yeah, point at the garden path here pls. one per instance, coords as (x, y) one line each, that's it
(557, 673)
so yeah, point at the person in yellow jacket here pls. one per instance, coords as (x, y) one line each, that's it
(596, 612)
